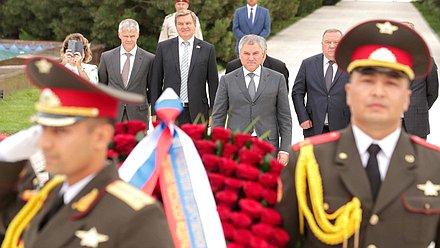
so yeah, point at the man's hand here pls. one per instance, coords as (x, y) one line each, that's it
(283, 157)
(22, 145)
(306, 124)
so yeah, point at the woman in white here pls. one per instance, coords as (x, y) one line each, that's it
(77, 62)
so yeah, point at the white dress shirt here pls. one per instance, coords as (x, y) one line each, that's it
(254, 10)
(124, 58)
(181, 46)
(247, 79)
(387, 146)
(70, 191)
(335, 68)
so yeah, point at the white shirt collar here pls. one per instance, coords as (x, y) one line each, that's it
(326, 60)
(257, 71)
(253, 7)
(387, 144)
(132, 52)
(191, 41)
(70, 191)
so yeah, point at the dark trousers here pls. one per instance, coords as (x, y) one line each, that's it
(184, 117)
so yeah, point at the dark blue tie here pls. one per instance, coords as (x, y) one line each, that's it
(251, 18)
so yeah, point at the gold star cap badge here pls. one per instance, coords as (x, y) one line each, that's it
(429, 189)
(43, 66)
(386, 28)
(91, 238)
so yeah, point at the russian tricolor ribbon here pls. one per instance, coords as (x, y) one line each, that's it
(169, 157)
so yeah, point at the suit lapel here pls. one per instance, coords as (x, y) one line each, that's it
(338, 73)
(320, 69)
(175, 53)
(264, 78)
(351, 170)
(136, 65)
(257, 16)
(239, 75)
(400, 173)
(195, 54)
(117, 65)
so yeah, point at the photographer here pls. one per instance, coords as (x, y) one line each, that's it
(75, 54)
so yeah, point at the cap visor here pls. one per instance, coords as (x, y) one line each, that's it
(50, 120)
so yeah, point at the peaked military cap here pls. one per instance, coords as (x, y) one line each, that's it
(384, 43)
(67, 98)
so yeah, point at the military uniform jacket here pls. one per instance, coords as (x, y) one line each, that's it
(119, 215)
(402, 216)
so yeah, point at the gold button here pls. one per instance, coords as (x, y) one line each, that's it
(427, 206)
(343, 155)
(371, 246)
(326, 206)
(374, 219)
(410, 158)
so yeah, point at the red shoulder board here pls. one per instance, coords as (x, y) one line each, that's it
(318, 139)
(423, 142)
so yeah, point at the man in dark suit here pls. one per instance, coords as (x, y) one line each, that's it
(250, 19)
(85, 204)
(320, 78)
(186, 64)
(424, 92)
(387, 181)
(254, 92)
(132, 74)
(269, 62)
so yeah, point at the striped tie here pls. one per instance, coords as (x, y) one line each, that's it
(184, 67)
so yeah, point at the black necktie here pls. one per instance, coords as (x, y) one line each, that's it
(329, 75)
(373, 170)
(56, 205)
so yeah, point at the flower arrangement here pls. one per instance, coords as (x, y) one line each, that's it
(244, 178)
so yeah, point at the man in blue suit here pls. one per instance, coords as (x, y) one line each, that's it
(251, 19)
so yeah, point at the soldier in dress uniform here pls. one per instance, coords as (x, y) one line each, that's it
(371, 184)
(85, 204)
(169, 30)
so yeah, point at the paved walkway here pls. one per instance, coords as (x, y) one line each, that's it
(303, 39)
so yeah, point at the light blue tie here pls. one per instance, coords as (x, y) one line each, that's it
(184, 68)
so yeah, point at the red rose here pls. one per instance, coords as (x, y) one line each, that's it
(280, 237)
(124, 143)
(234, 245)
(210, 162)
(262, 147)
(270, 196)
(268, 180)
(119, 128)
(240, 219)
(221, 133)
(276, 167)
(233, 184)
(249, 157)
(216, 181)
(194, 131)
(227, 197)
(204, 146)
(242, 236)
(228, 230)
(155, 123)
(241, 139)
(229, 150)
(263, 230)
(246, 171)
(224, 212)
(112, 154)
(134, 127)
(252, 190)
(271, 217)
(257, 242)
(251, 207)
(227, 167)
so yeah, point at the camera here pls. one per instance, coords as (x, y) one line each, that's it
(76, 46)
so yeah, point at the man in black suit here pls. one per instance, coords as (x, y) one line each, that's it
(269, 62)
(320, 78)
(424, 92)
(186, 64)
(130, 75)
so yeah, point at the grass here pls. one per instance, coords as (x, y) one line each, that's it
(16, 110)
(430, 17)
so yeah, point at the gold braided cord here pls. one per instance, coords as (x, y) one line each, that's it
(24, 217)
(347, 218)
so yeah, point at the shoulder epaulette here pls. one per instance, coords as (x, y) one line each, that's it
(127, 193)
(422, 142)
(318, 139)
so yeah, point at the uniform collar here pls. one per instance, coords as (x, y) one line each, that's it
(387, 144)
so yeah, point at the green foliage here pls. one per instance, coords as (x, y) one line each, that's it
(430, 9)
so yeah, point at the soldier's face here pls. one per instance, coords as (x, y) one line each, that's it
(181, 6)
(377, 99)
(329, 43)
(185, 27)
(75, 150)
(128, 38)
(251, 56)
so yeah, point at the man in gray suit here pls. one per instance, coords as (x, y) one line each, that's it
(254, 92)
(323, 82)
(127, 68)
